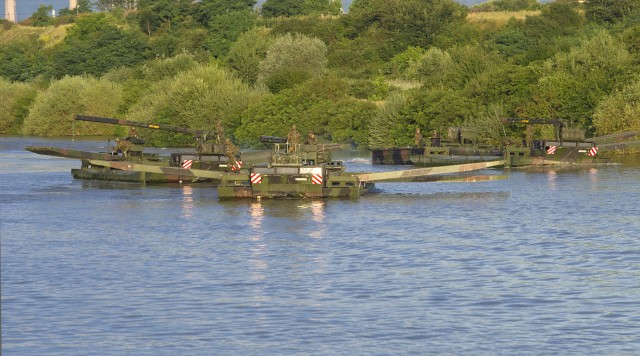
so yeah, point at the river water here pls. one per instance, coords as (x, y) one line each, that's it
(544, 262)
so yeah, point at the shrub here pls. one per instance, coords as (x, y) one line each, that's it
(53, 111)
(15, 100)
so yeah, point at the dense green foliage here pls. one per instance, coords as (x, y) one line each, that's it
(369, 77)
(287, 8)
(198, 97)
(15, 101)
(52, 111)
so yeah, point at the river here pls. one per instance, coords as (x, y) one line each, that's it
(544, 262)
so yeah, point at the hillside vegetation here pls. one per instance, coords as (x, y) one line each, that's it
(369, 77)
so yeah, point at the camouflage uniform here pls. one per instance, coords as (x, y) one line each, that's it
(418, 138)
(219, 132)
(293, 139)
(122, 146)
(232, 153)
(311, 138)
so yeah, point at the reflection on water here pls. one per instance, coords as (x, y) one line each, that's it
(593, 178)
(552, 177)
(544, 262)
(256, 211)
(316, 207)
(187, 202)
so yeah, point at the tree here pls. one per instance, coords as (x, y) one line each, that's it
(21, 60)
(83, 7)
(619, 111)
(385, 123)
(508, 5)
(609, 12)
(109, 5)
(288, 8)
(15, 101)
(95, 46)
(156, 14)
(225, 29)
(406, 22)
(196, 98)
(297, 55)
(434, 68)
(573, 83)
(246, 53)
(53, 111)
(226, 20)
(42, 16)
(321, 105)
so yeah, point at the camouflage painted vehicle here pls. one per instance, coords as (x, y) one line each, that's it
(552, 153)
(395, 156)
(301, 171)
(568, 148)
(212, 153)
(307, 171)
(461, 145)
(623, 142)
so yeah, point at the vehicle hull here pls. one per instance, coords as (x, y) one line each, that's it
(116, 175)
(292, 183)
(552, 154)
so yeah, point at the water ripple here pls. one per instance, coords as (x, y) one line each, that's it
(536, 264)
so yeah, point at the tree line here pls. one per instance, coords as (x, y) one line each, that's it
(369, 77)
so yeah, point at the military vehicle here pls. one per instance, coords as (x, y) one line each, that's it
(460, 145)
(463, 145)
(213, 153)
(619, 142)
(569, 146)
(307, 171)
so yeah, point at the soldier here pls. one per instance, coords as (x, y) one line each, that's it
(293, 139)
(122, 146)
(219, 132)
(311, 138)
(232, 153)
(418, 138)
(133, 133)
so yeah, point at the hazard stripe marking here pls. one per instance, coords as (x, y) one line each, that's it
(256, 178)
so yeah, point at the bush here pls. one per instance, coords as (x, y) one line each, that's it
(294, 54)
(321, 105)
(197, 99)
(15, 100)
(53, 111)
(620, 111)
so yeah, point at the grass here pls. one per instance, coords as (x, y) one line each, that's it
(54, 35)
(50, 35)
(498, 19)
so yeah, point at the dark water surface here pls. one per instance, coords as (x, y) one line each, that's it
(545, 262)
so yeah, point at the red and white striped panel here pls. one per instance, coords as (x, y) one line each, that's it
(593, 151)
(187, 163)
(316, 178)
(237, 166)
(551, 150)
(256, 178)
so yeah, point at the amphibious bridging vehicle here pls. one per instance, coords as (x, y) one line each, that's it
(213, 153)
(463, 145)
(307, 171)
